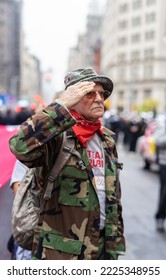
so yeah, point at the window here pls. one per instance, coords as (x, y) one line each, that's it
(134, 94)
(122, 40)
(121, 95)
(148, 53)
(135, 38)
(147, 93)
(150, 17)
(123, 24)
(121, 57)
(123, 8)
(149, 35)
(150, 2)
(136, 21)
(148, 71)
(137, 4)
(121, 73)
(135, 55)
(134, 73)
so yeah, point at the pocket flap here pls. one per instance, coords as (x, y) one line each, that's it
(63, 244)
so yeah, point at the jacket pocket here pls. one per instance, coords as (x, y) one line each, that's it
(59, 243)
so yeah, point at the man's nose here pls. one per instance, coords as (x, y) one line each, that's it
(98, 96)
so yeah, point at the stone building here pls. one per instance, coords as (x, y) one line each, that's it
(134, 51)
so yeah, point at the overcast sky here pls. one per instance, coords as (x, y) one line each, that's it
(51, 28)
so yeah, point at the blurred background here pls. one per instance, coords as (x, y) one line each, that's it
(40, 41)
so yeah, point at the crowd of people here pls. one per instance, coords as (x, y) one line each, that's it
(131, 126)
(16, 117)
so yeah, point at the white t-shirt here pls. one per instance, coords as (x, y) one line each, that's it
(95, 155)
(19, 171)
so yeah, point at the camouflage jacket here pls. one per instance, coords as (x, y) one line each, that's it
(69, 222)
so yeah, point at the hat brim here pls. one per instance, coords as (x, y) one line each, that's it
(104, 81)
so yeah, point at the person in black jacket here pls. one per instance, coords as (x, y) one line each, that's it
(24, 113)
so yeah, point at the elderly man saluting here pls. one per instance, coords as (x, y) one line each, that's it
(83, 218)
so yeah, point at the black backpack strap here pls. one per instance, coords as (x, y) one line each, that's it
(60, 162)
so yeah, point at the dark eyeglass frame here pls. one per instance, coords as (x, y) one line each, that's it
(103, 94)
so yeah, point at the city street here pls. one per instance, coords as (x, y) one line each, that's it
(139, 198)
(6, 198)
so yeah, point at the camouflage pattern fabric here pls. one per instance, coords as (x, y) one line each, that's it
(68, 226)
(26, 208)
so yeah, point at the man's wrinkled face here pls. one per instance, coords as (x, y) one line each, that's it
(91, 106)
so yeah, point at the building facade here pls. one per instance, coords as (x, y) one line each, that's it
(10, 45)
(30, 75)
(20, 74)
(134, 52)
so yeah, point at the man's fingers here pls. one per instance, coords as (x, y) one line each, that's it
(73, 94)
(82, 85)
(83, 88)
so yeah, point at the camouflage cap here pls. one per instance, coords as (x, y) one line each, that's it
(88, 74)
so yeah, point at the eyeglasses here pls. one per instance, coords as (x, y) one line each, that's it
(103, 94)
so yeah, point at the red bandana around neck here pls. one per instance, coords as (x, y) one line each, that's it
(84, 129)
